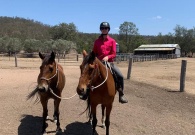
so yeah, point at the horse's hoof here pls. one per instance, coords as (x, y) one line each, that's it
(47, 118)
(55, 119)
(103, 126)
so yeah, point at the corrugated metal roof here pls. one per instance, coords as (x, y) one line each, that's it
(154, 49)
(159, 46)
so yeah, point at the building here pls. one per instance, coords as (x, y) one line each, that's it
(159, 49)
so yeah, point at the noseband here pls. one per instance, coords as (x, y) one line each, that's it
(47, 79)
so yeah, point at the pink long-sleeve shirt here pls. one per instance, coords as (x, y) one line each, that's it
(104, 48)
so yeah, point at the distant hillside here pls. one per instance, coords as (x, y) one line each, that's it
(23, 28)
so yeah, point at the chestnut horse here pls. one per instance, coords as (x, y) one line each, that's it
(51, 79)
(98, 78)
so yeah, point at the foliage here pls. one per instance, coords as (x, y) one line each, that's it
(10, 44)
(127, 32)
(64, 31)
(32, 45)
(23, 28)
(18, 34)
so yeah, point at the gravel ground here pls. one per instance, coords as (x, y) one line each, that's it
(156, 107)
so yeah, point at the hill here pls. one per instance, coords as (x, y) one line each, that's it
(23, 28)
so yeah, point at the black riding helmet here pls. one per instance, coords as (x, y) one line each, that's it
(105, 25)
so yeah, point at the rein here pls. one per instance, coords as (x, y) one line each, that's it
(61, 97)
(94, 87)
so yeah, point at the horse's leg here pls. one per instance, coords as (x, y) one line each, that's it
(57, 113)
(90, 118)
(103, 116)
(94, 121)
(44, 102)
(107, 121)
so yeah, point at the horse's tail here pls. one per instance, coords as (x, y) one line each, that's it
(32, 94)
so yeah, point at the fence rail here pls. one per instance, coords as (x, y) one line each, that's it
(73, 57)
(142, 58)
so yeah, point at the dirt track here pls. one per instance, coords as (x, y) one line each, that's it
(155, 106)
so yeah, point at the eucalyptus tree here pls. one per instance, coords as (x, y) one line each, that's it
(185, 38)
(128, 31)
(193, 41)
(64, 31)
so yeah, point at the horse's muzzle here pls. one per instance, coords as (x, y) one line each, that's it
(83, 94)
(42, 88)
(80, 91)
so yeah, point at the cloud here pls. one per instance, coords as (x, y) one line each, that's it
(117, 28)
(158, 17)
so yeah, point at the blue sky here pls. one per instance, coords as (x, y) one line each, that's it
(149, 16)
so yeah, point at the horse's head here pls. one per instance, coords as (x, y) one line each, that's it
(48, 70)
(88, 70)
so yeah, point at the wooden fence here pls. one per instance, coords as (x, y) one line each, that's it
(142, 58)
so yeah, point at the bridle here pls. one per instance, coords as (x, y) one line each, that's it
(47, 79)
(94, 87)
(94, 75)
(56, 73)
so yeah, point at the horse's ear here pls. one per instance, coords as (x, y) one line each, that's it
(41, 55)
(53, 55)
(84, 53)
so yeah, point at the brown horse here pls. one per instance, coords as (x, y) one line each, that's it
(51, 79)
(96, 76)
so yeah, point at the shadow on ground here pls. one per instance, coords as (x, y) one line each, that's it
(78, 128)
(30, 125)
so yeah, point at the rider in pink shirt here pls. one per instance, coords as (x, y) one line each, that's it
(105, 47)
(105, 50)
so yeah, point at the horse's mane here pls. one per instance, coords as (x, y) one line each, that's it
(87, 59)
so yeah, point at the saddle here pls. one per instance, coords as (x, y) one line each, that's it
(110, 66)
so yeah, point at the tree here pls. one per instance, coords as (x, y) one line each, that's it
(32, 45)
(61, 46)
(3, 45)
(64, 31)
(14, 45)
(127, 31)
(185, 38)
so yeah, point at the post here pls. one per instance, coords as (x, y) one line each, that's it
(129, 68)
(183, 75)
(77, 57)
(16, 60)
(58, 54)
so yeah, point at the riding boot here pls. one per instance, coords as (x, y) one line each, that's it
(121, 96)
